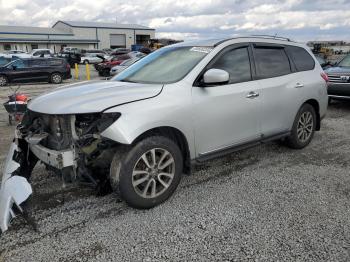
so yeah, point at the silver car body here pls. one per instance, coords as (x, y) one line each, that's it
(211, 119)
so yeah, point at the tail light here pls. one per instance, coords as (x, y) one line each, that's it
(325, 77)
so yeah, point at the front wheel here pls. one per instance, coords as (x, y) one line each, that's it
(147, 174)
(303, 128)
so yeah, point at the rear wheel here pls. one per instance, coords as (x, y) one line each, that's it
(56, 78)
(147, 174)
(86, 62)
(303, 128)
(3, 80)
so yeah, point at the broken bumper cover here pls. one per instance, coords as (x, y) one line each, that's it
(15, 189)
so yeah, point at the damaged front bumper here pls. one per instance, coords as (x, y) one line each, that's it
(14, 189)
(21, 159)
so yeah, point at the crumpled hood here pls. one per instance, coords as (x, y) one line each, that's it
(91, 97)
(338, 70)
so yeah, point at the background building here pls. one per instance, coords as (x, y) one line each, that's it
(84, 35)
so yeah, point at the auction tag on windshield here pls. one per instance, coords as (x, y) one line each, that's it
(201, 49)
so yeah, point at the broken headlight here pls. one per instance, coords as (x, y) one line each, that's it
(94, 123)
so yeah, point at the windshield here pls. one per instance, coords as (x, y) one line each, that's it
(345, 62)
(167, 65)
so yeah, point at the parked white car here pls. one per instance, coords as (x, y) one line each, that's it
(184, 103)
(41, 53)
(91, 58)
(17, 53)
(124, 65)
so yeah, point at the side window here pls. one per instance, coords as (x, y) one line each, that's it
(236, 62)
(301, 58)
(19, 64)
(271, 62)
(35, 63)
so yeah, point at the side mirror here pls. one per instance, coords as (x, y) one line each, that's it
(216, 76)
(14, 67)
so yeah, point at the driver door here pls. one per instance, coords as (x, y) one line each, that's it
(226, 115)
(18, 70)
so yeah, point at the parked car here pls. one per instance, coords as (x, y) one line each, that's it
(339, 79)
(184, 103)
(70, 57)
(52, 70)
(104, 68)
(124, 65)
(10, 53)
(41, 53)
(90, 58)
(120, 51)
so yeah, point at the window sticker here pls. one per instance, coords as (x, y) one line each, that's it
(201, 49)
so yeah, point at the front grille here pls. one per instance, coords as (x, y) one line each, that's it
(337, 79)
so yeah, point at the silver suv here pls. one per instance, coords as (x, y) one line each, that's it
(140, 131)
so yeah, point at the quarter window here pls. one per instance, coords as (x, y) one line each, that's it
(271, 62)
(301, 58)
(236, 63)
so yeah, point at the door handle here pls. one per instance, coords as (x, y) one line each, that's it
(252, 94)
(298, 85)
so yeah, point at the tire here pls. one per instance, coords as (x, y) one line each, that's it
(105, 72)
(306, 116)
(86, 62)
(56, 78)
(147, 188)
(3, 80)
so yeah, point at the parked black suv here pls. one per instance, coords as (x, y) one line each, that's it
(52, 70)
(339, 79)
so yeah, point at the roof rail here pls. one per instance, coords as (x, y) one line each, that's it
(256, 36)
(273, 37)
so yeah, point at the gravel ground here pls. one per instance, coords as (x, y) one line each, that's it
(268, 203)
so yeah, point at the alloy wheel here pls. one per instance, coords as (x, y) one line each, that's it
(153, 173)
(305, 126)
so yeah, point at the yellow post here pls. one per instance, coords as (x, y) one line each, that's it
(87, 72)
(76, 71)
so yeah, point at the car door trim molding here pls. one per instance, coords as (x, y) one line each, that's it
(237, 147)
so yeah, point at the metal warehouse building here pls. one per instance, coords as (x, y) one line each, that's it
(85, 35)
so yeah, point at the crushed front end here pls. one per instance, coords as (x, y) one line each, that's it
(69, 145)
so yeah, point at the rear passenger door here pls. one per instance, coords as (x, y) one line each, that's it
(279, 88)
(38, 69)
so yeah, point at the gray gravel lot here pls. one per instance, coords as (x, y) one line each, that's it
(268, 203)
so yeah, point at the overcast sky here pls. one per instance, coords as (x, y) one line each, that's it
(190, 19)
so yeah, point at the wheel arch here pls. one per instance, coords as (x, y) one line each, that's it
(176, 136)
(316, 106)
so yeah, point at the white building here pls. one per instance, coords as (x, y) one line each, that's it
(85, 35)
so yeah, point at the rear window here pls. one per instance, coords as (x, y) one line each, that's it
(301, 58)
(271, 61)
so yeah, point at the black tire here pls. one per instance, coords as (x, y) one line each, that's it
(105, 72)
(126, 159)
(56, 78)
(295, 141)
(86, 62)
(3, 80)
